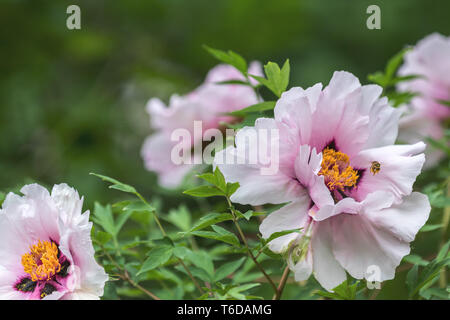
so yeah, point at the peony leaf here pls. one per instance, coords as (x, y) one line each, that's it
(228, 268)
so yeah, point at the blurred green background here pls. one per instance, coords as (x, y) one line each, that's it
(73, 101)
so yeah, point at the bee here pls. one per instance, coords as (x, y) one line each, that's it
(375, 167)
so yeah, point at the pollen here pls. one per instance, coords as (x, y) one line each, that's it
(42, 262)
(337, 171)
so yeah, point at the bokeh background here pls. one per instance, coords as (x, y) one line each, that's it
(73, 101)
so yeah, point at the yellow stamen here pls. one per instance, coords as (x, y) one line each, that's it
(42, 262)
(337, 171)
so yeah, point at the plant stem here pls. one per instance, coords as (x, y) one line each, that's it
(250, 253)
(191, 276)
(165, 235)
(283, 280)
(154, 214)
(445, 221)
(125, 276)
(138, 286)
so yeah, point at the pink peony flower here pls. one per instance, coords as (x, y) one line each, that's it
(45, 247)
(207, 103)
(430, 59)
(349, 187)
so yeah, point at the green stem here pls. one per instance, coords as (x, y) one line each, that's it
(283, 280)
(126, 277)
(154, 214)
(249, 251)
(445, 222)
(165, 235)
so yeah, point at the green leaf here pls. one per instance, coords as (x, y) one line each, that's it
(202, 260)
(439, 144)
(103, 217)
(236, 292)
(388, 78)
(394, 63)
(249, 120)
(138, 206)
(156, 258)
(102, 237)
(412, 278)
(440, 293)
(397, 98)
(378, 78)
(181, 252)
(221, 230)
(430, 271)
(347, 291)
(208, 177)
(259, 107)
(162, 242)
(437, 195)
(227, 238)
(220, 180)
(204, 191)
(230, 57)
(231, 188)
(116, 184)
(199, 273)
(396, 80)
(430, 227)
(271, 254)
(247, 215)
(240, 82)
(276, 235)
(445, 102)
(2, 197)
(443, 252)
(227, 269)
(277, 79)
(132, 244)
(344, 291)
(180, 218)
(121, 219)
(211, 219)
(415, 259)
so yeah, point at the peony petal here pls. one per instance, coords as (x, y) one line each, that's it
(291, 216)
(76, 245)
(360, 245)
(69, 204)
(307, 165)
(346, 205)
(302, 269)
(403, 220)
(383, 125)
(400, 165)
(341, 84)
(338, 116)
(257, 179)
(295, 109)
(156, 152)
(328, 272)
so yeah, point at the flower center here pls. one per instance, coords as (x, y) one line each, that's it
(42, 262)
(337, 171)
